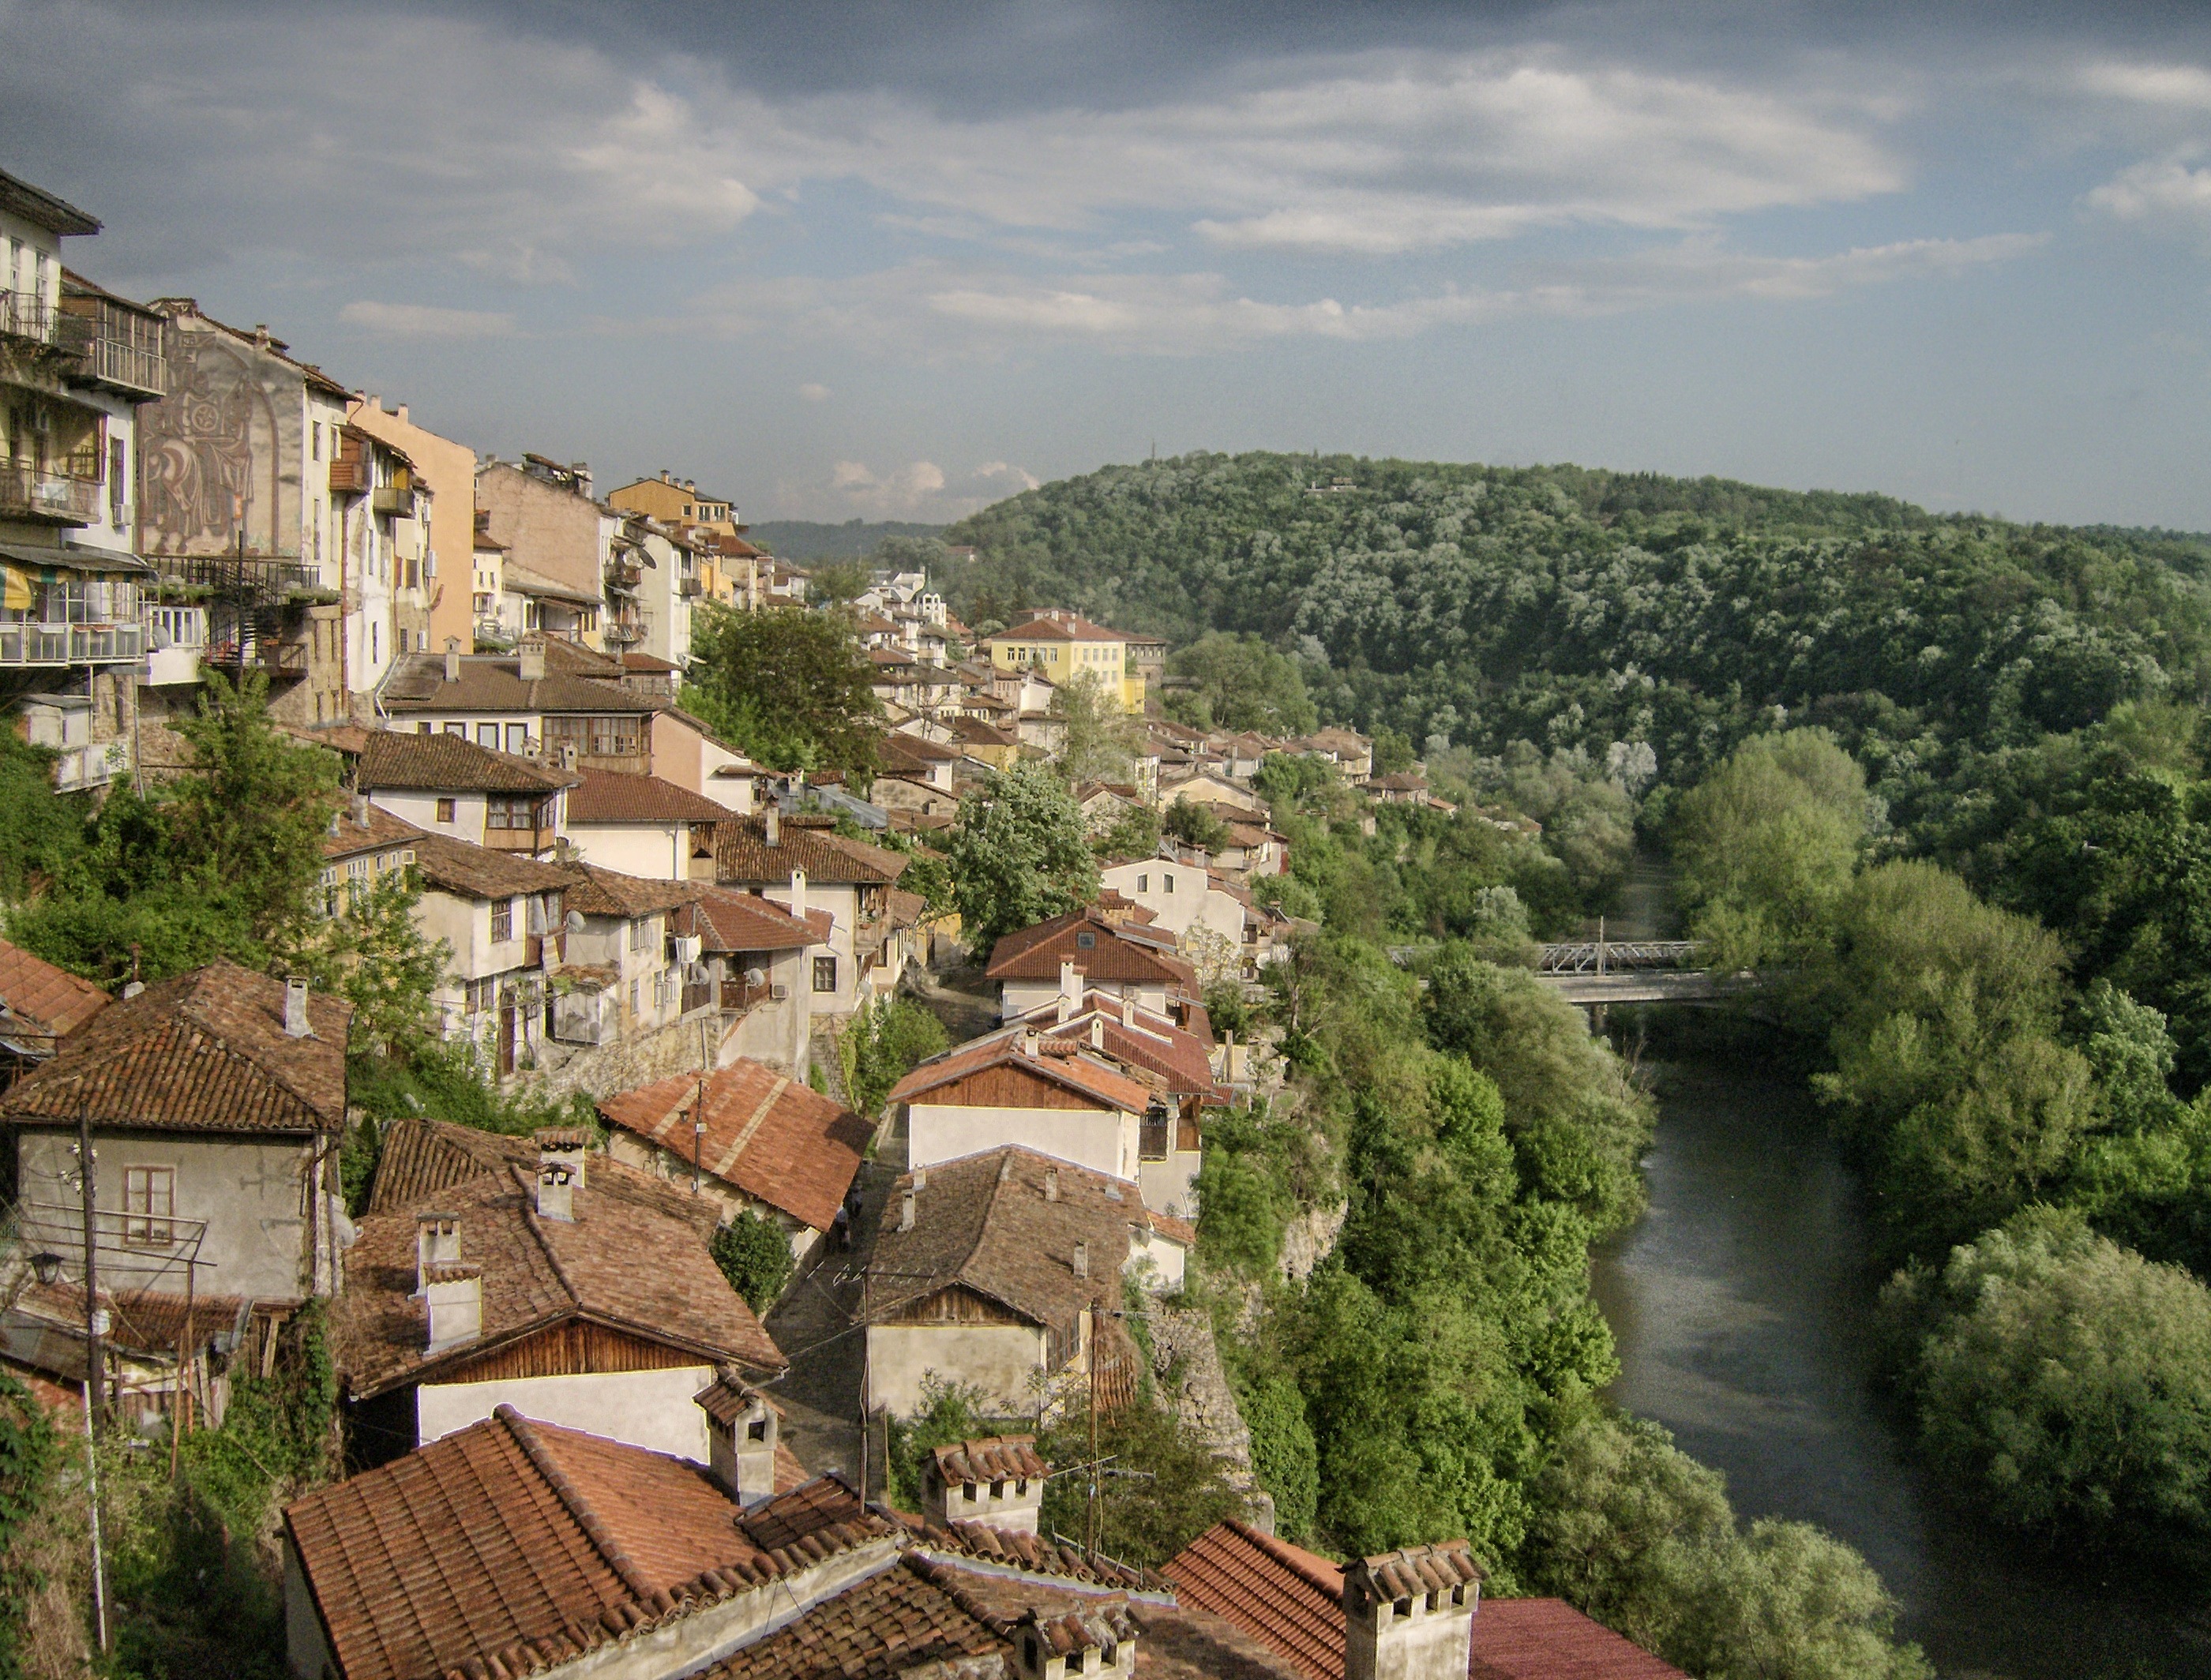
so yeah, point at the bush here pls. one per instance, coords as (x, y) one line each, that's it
(30, 1454)
(1283, 1455)
(2069, 1382)
(949, 1411)
(755, 1255)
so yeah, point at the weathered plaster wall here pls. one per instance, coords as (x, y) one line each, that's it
(651, 1409)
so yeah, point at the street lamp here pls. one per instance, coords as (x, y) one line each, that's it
(47, 1264)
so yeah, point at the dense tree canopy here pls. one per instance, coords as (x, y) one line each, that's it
(1019, 854)
(792, 688)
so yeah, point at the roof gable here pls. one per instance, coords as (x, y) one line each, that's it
(612, 796)
(446, 764)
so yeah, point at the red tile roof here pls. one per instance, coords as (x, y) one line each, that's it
(620, 1262)
(450, 865)
(375, 830)
(728, 920)
(1118, 953)
(767, 1134)
(1291, 1601)
(1066, 626)
(1153, 1048)
(446, 764)
(512, 1545)
(598, 891)
(204, 1052)
(993, 1458)
(611, 796)
(1059, 1061)
(743, 857)
(51, 1001)
(422, 1157)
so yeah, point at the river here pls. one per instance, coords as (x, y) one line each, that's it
(1741, 1305)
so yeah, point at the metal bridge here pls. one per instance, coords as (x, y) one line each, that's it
(1600, 971)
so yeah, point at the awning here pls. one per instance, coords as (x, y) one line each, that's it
(35, 559)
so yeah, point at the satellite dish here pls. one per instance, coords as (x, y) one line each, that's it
(574, 923)
(755, 977)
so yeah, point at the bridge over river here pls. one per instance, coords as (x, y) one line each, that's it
(1601, 971)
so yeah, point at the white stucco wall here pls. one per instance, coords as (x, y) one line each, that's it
(651, 851)
(996, 1358)
(421, 810)
(307, 1650)
(1017, 998)
(1103, 1140)
(651, 1409)
(1193, 899)
(1169, 1258)
(251, 1191)
(779, 1034)
(1167, 1184)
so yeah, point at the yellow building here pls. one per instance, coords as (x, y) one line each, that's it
(722, 555)
(1062, 645)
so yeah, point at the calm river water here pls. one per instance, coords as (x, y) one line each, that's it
(1741, 1305)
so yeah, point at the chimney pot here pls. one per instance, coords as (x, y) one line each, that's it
(1097, 1032)
(296, 1024)
(437, 1242)
(1052, 1184)
(453, 1299)
(529, 659)
(453, 659)
(798, 893)
(774, 820)
(1083, 1260)
(741, 1433)
(906, 1210)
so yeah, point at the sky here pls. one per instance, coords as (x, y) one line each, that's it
(895, 261)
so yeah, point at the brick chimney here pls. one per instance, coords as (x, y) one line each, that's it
(1100, 1640)
(296, 1024)
(1409, 1615)
(453, 659)
(454, 1295)
(741, 1426)
(437, 1242)
(998, 1481)
(529, 659)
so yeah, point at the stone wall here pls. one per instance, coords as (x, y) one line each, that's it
(606, 1070)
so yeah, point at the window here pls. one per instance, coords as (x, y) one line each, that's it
(1085, 941)
(117, 483)
(488, 736)
(825, 974)
(1169, 880)
(638, 935)
(502, 919)
(446, 809)
(1143, 883)
(513, 810)
(149, 1202)
(632, 997)
(460, 730)
(517, 738)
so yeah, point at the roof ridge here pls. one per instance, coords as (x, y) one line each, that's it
(571, 1500)
(1291, 1558)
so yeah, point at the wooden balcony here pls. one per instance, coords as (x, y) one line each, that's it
(349, 476)
(33, 492)
(529, 840)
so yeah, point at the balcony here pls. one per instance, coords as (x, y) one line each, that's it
(27, 492)
(349, 476)
(285, 661)
(624, 574)
(393, 498)
(27, 315)
(114, 346)
(621, 633)
(23, 644)
(689, 589)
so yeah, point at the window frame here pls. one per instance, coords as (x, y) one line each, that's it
(146, 1225)
(824, 966)
(502, 916)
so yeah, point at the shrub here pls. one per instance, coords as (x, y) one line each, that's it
(755, 1255)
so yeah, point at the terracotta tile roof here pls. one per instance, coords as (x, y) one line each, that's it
(598, 891)
(743, 857)
(1060, 1062)
(142, 1321)
(898, 744)
(1440, 1566)
(649, 664)
(1184, 1643)
(611, 796)
(1119, 952)
(983, 1222)
(375, 830)
(618, 1262)
(1073, 627)
(976, 733)
(421, 1157)
(513, 1546)
(445, 763)
(795, 1513)
(1400, 781)
(727, 920)
(1153, 1048)
(491, 685)
(1547, 1639)
(884, 1627)
(204, 1052)
(51, 1001)
(993, 1459)
(767, 1134)
(476, 871)
(1285, 1596)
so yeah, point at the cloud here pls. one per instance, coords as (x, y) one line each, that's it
(2180, 87)
(812, 392)
(921, 489)
(2158, 191)
(991, 472)
(426, 321)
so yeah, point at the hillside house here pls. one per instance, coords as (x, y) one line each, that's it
(502, 915)
(756, 955)
(1180, 896)
(1094, 947)
(447, 784)
(643, 825)
(802, 864)
(1016, 1086)
(39, 1007)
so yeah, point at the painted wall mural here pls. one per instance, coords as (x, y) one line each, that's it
(221, 453)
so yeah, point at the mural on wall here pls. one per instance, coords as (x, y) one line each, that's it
(215, 458)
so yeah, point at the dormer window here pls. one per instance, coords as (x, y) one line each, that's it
(1085, 941)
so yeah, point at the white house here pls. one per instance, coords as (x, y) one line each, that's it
(1179, 896)
(447, 784)
(1016, 1086)
(643, 825)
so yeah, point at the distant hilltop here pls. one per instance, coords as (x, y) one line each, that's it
(799, 540)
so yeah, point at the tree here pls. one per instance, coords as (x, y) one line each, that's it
(886, 1041)
(793, 688)
(371, 952)
(1019, 854)
(1134, 834)
(1098, 740)
(1766, 844)
(836, 584)
(1172, 1485)
(1195, 825)
(1241, 684)
(2068, 1381)
(755, 1255)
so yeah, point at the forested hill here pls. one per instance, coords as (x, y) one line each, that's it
(1571, 607)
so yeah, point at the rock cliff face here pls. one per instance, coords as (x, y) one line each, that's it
(1186, 1366)
(1310, 1238)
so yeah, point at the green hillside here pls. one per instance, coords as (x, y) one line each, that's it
(1575, 607)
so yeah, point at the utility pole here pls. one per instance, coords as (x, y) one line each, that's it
(867, 1379)
(1090, 1511)
(95, 1396)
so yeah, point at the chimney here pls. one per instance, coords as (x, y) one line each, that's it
(1052, 1184)
(1097, 1032)
(1409, 1615)
(741, 1426)
(1082, 1260)
(437, 1242)
(1028, 1040)
(559, 1171)
(360, 810)
(906, 1210)
(1128, 1010)
(774, 822)
(1100, 1640)
(454, 1297)
(1070, 985)
(529, 659)
(998, 1481)
(453, 659)
(400, 413)
(296, 1024)
(798, 893)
